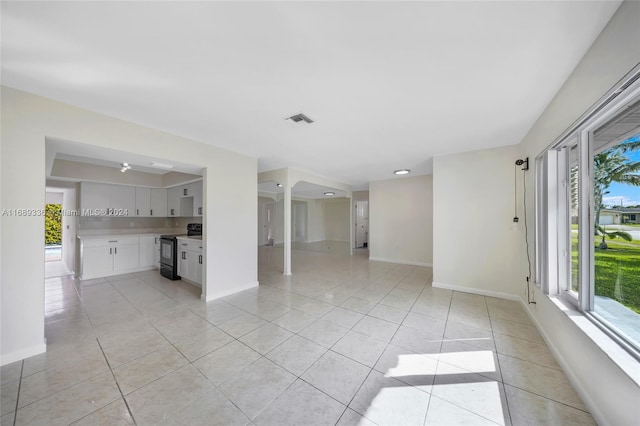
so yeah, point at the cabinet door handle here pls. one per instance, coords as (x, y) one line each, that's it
(184, 244)
(137, 212)
(156, 240)
(113, 241)
(199, 210)
(151, 212)
(200, 260)
(115, 250)
(184, 191)
(110, 251)
(172, 212)
(184, 254)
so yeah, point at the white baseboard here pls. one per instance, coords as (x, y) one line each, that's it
(401, 262)
(24, 353)
(478, 291)
(218, 295)
(566, 368)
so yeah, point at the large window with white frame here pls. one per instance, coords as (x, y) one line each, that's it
(587, 192)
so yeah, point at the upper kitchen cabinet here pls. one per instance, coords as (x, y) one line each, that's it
(197, 198)
(159, 202)
(143, 202)
(174, 195)
(122, 200)
(100, 199)
(94, 198)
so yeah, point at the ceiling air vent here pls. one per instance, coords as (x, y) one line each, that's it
(299, 117)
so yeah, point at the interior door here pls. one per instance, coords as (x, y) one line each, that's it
(362, 224)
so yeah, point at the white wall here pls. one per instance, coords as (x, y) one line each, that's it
(336, 220)
(315, 211)
(229, 192)
(475, 244)
(611, 396)
(401, 220)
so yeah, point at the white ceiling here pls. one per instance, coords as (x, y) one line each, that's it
(389, 84)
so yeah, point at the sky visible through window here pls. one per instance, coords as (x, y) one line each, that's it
(623, 194)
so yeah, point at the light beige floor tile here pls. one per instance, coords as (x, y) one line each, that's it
(239, 326)
(510, 313)
(473, 392)
(408, 367)
(316, 308)
(323, 332)
(301, 404)
(386, 401)
(297, 354)
(295, 320)
(212, 408)
(515, 329)
(337, 376)
(471, 359)
(468, 319)
(530, 409)
(139, 372)
(226, 361)
(222, 312)
(10, 372)
(442, 412)
(7, 419)
(358, 305)
(425, 323)
(359, 347)
(543, 381)
(255, 387)
(470, 335)
(161, 399)
(114, 414)
(48, 382)
(118, 354)
(351, 418)
(71, 404)
(343, 317)
(376, 328)
(265, 338)
(269, 311)
(8, 396)
(199, 345)
(417, 341)
(536, 353)
(182, 328)
(388, 313)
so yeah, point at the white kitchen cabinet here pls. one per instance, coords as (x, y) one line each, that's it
(102, 256)
(94, 198)
(158, 202)
(173, 201)
(156, 251)
(143, 202)
(197, 198)
(147, 250)
(122, 200)
(190, 260)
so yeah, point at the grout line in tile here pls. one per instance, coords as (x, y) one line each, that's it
(15, 412)
(117, 384)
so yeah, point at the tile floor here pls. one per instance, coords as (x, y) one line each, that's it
(343, 341)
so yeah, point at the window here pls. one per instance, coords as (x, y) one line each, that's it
(587, 196)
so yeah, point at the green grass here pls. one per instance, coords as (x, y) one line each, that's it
(617, 271)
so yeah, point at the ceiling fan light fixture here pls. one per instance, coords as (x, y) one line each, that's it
(124, 167)
(300, 117)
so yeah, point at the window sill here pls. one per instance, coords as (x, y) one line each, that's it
(623, 359)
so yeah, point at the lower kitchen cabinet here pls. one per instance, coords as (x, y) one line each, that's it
(190, 261)
(102, 256)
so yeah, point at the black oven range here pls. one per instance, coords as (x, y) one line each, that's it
(169, 251)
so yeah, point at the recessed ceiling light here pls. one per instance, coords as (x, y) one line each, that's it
(402, 172)
(300, 117)
(329, 193)
(279, 185)
(161, 165)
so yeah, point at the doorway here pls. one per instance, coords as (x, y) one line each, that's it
(59, 232)
(362, 224)
(267, 223)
